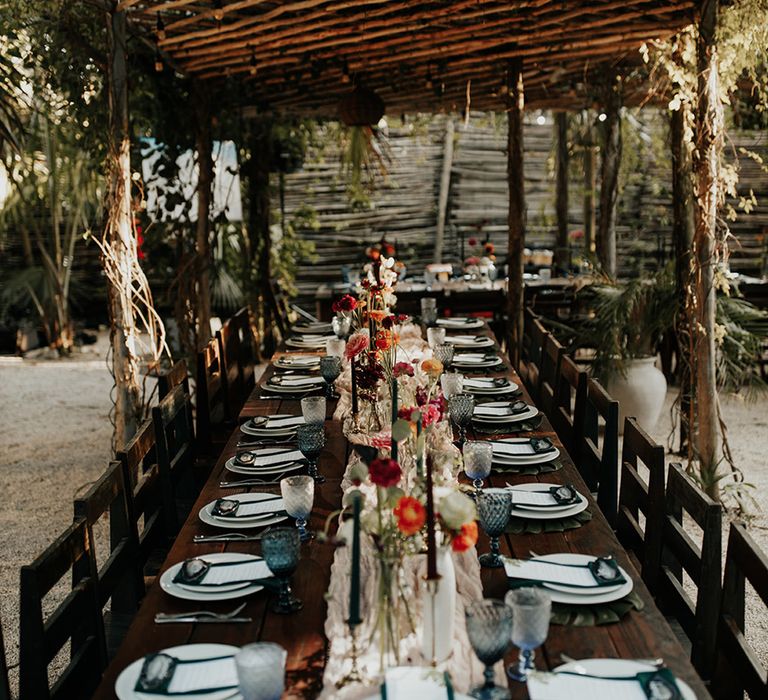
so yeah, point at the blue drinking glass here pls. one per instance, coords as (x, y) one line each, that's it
(489, 628)
(493, 511)
(280, 549)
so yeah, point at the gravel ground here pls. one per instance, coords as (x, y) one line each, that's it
(55, 441)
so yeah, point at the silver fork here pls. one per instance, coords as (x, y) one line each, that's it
(231, 537)
(249, 482)
(202, 613)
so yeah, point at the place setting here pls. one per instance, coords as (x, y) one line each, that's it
(312, 328)
(477, 361)
(470, 341)
(314, 341)
(244, 511)
(490, 386)
(460, 323)
(294, 385)
(503, 416)
(279, 426)
(512, 452)
(297, 361)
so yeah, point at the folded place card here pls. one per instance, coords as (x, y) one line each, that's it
(163, 674)
(232, 508)
(509, 409)
(267, 460)
(290, 422)
(552, 497)
(198, 572)
(525, 448)
(300, 360)
(601, 571)
(650, 685)
(484, 383)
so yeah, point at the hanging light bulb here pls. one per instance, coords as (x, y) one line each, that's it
(218, 10)
(253, 66)
(160, 28)
(158, 62)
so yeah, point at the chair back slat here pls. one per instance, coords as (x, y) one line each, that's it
(228, 338)
(534, 336)
(212, 406)
(77, 619)
(248, 348)
(551, 358)
(739, 667)
(598, 460)
(686, 504)
(119, 577)
(638, 497)
(570, 399)
(177, 375)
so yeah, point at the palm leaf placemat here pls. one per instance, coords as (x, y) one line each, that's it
(528, 469)
(595, 615)
(521, 526)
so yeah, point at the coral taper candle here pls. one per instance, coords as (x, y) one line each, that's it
(354, 578)
(432, 574)
(354, 388)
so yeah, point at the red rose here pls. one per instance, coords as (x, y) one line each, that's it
(346, 303)
(402, 369)
(384, 472)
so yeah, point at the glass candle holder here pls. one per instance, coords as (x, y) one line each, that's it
(311, 440)
(280, 549)
(335, 347)
(461, 408)
(443, 352)
(531, 610)
(313, 410)
(298, 496)
(341, 325)
(489, 628)
(493, 510)
(452, 383)
(435, 336)
(429, 311)
(330, 369)
(478, 458)
(261, 671)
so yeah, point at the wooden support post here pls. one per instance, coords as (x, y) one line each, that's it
(682, 238)
(121, 239)
(204, 147)
(609, 179)
(590, 187)
(258, 224)
(709, 143)
(445, 188)
(562, 258)
(516, 215)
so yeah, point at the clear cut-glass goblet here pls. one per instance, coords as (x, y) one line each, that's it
(311, 440)
(461, 407)
(280, 549)
(444, 352)
(298, 496)
(531, 610)
(261, 671)
(489, 628)
(493, 511)
(478, 458)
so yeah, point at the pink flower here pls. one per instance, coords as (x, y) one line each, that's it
(430, 414)
(401, 369)
(355, 345)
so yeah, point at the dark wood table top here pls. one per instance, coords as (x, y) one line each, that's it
(638, 635)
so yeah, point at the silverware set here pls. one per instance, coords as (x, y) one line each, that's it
(230, 537)
(207, 616)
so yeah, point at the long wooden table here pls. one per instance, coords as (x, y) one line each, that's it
(638, 635)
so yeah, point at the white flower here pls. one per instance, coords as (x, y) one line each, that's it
(455, 509)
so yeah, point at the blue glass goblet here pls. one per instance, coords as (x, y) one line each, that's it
(493, 511)
(531, 609)
(280, 549)
(311, 440)
(489, 628)
(330, 369)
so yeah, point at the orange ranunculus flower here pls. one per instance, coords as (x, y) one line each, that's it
(384, 339)
(466, 538)
(432, 366)
(378, 315)
(411, 515)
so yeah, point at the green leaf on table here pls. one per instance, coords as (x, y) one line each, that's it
(401, 430)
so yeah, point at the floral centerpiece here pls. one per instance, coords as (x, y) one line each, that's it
(481, 260)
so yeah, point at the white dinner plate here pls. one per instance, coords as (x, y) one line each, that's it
(126, 681)
(458, 363)
(308, 343)
(529, 413)
(523, 460)
(186, 593)
(553, 513)
(490, 389)
(289, 361)
(319, 328)
(567, 595)
(479, 341)
(292, 389)
(619, 668)
(266, 471)
(264, 430)
(209, 519)
(457, 323)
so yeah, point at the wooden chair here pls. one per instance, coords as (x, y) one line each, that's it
(684, 503)
(738, 667)
(213, 421)
(534, 335)
(570, 400)
(551, 358)
(120, 580)
(248, 348)
(175, 441)
(598, 460)
(142, 473)
(76, 620)
(228, 338)
(639, 498)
